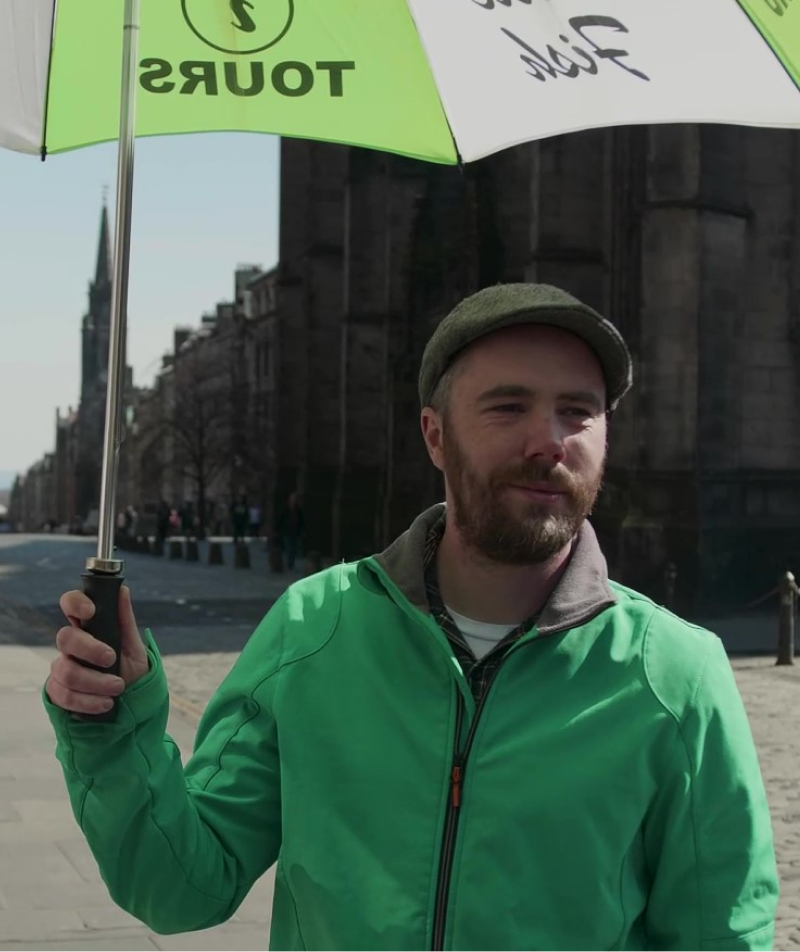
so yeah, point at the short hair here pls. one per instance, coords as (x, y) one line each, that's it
(440, 398)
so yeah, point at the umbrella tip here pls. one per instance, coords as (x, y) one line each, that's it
(43, 152)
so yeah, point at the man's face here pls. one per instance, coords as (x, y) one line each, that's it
(521, 442)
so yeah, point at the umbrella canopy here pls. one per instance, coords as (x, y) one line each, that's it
(432, 79)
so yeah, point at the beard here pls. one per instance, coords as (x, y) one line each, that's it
(529, 532)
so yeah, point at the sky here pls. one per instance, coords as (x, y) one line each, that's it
(203, 204)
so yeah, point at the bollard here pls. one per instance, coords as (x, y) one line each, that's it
(670, 576)
(175, 549)
(215, 553)
(241, 556)
(787, 589)
(192, 552)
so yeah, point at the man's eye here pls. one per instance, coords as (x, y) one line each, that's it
(509, 408)
(580, 412)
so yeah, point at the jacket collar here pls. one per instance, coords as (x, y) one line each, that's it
(581, 593)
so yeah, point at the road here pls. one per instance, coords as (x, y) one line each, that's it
(201, 616)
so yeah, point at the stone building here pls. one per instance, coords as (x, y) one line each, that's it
(687, 237)
(201, 435)
(259, 342)
(32, 496)
(65, 508)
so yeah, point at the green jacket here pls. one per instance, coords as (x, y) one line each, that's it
(608, 795)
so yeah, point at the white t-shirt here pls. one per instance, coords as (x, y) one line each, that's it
(480, 635)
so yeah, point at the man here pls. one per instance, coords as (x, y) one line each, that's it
(162, 520)
(255, 521)
(289, 529)
(240, 513)
(471, 741)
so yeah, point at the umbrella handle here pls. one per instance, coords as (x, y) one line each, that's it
(103, 589)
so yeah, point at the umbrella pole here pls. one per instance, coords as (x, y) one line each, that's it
(103, 575)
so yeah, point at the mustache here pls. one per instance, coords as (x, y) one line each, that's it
(561, 480)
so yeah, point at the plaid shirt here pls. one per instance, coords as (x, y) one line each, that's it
(477, 672)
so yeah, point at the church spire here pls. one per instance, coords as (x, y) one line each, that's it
(103, 271)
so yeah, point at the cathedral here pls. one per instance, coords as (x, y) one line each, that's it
(90, 418)
(687, 237)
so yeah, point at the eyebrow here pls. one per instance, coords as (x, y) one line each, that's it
(506, 391)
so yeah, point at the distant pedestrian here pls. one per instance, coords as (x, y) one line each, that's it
(255, 521)
(133, 521)
(188, 527)
(240, 514)
(290, 529)
(162, 520)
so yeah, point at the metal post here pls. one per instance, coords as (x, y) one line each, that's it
(788, 606)
(119, 296)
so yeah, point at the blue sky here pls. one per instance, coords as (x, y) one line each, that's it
(202, 205)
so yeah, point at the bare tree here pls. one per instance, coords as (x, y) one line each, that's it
(199, 425)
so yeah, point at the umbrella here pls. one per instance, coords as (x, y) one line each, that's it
(438, 80)
(432, 79)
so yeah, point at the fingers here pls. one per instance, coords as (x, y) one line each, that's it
(76, 688)
(77, 607)
(79, 644)
(71, 684)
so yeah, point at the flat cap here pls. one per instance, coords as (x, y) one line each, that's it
(505, 305)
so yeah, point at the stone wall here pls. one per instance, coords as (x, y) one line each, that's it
(687, 237)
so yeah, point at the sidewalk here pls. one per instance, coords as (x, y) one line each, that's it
(51, 896)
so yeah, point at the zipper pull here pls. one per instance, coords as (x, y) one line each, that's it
(456, 777)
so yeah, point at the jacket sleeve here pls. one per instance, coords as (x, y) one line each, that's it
(708, 838)
(180, 848)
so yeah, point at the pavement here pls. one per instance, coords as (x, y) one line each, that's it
(51, 896)
(201, 615)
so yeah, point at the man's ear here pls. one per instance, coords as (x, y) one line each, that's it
(432, 425)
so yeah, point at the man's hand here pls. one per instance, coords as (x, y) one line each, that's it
(82, 690)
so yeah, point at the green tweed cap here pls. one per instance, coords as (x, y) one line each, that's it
(505, 305)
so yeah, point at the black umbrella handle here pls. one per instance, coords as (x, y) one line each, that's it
(103, 589)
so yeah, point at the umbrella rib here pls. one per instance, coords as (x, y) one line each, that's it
(47, 85)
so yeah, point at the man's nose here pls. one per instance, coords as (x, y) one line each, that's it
(544, 438)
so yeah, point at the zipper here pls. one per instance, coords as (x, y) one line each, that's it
(453, 811)
(449, 835)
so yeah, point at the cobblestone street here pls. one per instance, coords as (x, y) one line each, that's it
(771, 695)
